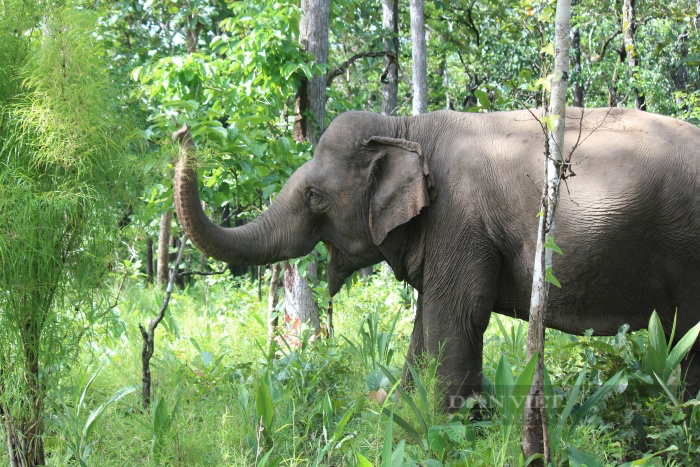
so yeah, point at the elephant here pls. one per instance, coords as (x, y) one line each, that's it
(450, 201)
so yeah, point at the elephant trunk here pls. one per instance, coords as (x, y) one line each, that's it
(268, 239)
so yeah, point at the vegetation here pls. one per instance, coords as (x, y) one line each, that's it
(90, 93)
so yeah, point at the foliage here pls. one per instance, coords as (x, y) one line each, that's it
(64, 162)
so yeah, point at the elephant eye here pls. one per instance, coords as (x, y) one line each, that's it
(317, 202)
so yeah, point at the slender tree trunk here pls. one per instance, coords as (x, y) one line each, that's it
(148, 335)
(629, 32)
(272, 299)
(535, 429)
(313, 36)
(150, 273)
(576, 69)
(164, 248)
(420, 73)
(390, 84)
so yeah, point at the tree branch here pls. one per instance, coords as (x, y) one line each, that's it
(331, 75)
(598, 57)
(201, 273)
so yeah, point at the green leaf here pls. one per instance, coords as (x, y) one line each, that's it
(573, 397)
(388, 439)
(482, 97)
(681, 350)
(593, 400)
(410, 431)
(263, 405)
(549, 243)
(578, 458)
(267, 192)
(97, 413)
(549, 277)
(362, 461)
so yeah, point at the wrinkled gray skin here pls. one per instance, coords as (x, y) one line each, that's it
(449, 200)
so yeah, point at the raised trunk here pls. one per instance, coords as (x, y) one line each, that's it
(280, 233)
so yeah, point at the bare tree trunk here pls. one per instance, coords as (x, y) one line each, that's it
(299, 301)
(164, 248)
(629, 32)
(390, 84)
(150, 273)
(535, 429)
(148, 335)
(576, 55)
(272, 299)
(420, 74)
(313, 36)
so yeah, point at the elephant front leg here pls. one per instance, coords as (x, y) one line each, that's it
(455, 336)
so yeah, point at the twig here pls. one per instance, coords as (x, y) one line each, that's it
(148, 335)
(346, 64)
(201, 273)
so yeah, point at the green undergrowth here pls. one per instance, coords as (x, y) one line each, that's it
(222, 395)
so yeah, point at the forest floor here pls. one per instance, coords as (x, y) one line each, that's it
(221, 396)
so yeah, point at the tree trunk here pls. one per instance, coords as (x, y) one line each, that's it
(164, 248)
(313, 36)
(150, 272)
(576, 55)
(272, 299)
(300, 305)
(390, 84)
(420, 74)
(535, 429)
(629, 32)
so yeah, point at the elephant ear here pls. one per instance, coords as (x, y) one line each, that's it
(401, 184)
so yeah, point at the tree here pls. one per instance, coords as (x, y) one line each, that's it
(535, 430)
(390, 80)
(309, 117)
(420, 78)
(629, 32)
(63, 164)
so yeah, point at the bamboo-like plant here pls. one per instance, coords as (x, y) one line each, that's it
(63, 161)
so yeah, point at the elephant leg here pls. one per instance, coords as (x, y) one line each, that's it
(417, 345)
(690, 369)
(456, 336)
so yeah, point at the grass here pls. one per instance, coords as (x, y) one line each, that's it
(212, 366)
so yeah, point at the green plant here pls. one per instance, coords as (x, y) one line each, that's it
(68, 419)
(390, 458)
(375, 345)
(661, 361)
(437, 440)
(515, 340)
(160, 423)
(510, 394)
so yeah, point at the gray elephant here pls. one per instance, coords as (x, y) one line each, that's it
(450, 201)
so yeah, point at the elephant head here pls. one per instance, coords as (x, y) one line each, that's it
(361, 184)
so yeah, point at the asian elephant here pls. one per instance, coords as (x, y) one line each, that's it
(450, 201)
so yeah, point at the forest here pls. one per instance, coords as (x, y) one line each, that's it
(123, 343)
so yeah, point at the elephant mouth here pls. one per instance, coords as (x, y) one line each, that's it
(336, 272)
